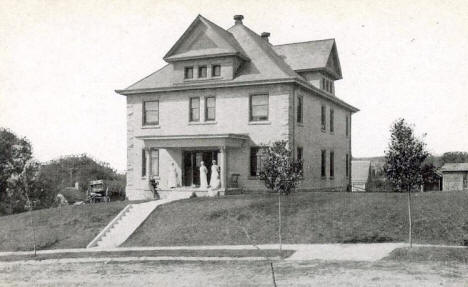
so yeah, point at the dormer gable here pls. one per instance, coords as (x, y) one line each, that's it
(203, 39)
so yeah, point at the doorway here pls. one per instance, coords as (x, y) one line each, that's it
(192, 160)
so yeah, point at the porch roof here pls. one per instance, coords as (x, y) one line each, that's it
(190, 141)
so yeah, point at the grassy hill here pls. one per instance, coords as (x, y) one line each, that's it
(65, 227)
(439, 218)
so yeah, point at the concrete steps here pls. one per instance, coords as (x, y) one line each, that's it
(126, 222)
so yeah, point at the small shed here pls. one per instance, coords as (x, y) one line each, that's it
(360, 174)
(455, 176)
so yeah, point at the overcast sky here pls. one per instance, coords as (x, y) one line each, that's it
(60, 62)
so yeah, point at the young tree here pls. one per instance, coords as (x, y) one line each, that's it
(404, 159)
(280, 172)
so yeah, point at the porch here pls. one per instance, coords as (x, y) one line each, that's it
(185, 153)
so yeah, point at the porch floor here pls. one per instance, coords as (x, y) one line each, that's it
(184, 190)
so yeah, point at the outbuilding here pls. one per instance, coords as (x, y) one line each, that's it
(455, 176)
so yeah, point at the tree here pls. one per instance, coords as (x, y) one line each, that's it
(455, 157)
(15, 152)
(404, 159)
(280, 171)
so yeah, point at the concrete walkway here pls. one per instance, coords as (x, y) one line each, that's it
(345, 252)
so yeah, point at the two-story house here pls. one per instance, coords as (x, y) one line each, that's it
(225, 92)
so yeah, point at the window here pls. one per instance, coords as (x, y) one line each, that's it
(465, 181)
(154, 162)
(300, 156)
(202, 71)
(324, 118)
(194, 109)
(210, 109)
(332, 120)
(324, 163)
(300, 109)
(188, 73)
(259, 107)
(255, 161)
(332, 164)
(347, 165)
(143, 162)
(347, 125)
(332, 88)
(216, 70)
(151, 113)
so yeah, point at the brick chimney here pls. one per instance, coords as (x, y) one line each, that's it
(265, 36)
(238, 19)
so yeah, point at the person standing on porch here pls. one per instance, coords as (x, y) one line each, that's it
(203, 176)
(214, 180)
(172, 179)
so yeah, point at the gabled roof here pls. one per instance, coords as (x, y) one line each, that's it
(455, 167)
(202, 39)
(312, 55)
(360, 170)
(262, 63)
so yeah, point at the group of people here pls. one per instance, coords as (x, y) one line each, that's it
(214, 179)
(214, 183)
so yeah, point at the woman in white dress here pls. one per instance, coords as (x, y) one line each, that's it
(214, 180)
(172, 179)
(203, 178)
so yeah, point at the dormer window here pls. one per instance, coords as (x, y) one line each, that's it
(216, 70)
(202, 71)
(188, 73)
(327, 85)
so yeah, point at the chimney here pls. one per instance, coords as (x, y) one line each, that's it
(265, 36)
(238, 19)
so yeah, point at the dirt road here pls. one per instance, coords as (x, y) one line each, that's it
(255, 273)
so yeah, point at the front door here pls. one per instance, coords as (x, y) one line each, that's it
(192, 160)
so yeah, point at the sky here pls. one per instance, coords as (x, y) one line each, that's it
(60, 62)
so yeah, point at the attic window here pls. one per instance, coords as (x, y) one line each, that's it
(202, 71)
(216, 70)
(188, 73)
(327, 85)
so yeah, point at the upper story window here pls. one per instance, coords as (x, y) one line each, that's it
(210, 108)
(300, 109)
(188, 73)
(216, 70)
(195, 109)
(258, 107)
(324, 118)
(151, 113)
(202, 71)
(347, 125)
(332, 120)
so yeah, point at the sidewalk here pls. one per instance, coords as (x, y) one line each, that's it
(344, 252)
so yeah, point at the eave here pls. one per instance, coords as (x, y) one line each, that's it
(302, 83)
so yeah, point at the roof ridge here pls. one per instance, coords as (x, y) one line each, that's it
(268, 48)
(305, 42)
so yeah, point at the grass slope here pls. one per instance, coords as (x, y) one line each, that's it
(421, 254)
(65, 227)
(439, 218)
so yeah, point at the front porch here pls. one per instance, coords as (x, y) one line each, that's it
(184, 154)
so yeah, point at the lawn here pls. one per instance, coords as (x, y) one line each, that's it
(315, 217)
(422, 254)
(65, 227)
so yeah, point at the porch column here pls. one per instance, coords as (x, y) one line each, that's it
(148, 166)
(223, 166)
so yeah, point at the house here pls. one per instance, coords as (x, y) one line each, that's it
(361, 174)
(455, 176)
(221, 94)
